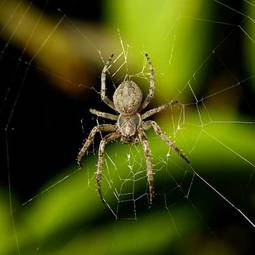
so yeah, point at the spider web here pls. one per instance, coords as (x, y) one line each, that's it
(124, 182)
(127, 197)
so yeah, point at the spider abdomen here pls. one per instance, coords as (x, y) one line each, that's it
(127, 98)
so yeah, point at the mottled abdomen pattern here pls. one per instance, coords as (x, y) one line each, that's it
(128, 97)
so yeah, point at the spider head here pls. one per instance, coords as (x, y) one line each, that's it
(128, 125)
(127, 98)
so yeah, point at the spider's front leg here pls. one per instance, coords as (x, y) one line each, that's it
(89, 140)
(105, 115)
(100, 163)
(147, 152)
(104, 98)
(152, 84)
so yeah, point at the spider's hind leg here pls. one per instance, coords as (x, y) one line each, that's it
(150, 123)
(147, 152)
(89, 140)
(108, 138)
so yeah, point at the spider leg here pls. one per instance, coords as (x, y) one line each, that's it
(104, 98)
(105, 115)
(89, 140)
(158, 109)
(147, 152)
(150, 123)
(100, 163)
(152, 87)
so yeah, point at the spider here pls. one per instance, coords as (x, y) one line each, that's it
(130, 124)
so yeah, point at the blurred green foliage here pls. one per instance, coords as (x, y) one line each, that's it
(176, 43)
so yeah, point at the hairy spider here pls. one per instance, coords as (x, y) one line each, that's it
(130, 124)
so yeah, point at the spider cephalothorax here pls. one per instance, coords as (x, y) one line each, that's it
(130, 124)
